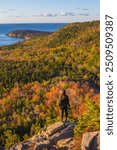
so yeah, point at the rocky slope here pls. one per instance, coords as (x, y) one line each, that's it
(27, 34)
(58, 136)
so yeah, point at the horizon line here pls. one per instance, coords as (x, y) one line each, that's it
(46, 22)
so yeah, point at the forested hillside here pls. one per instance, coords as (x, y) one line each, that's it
(33, 74)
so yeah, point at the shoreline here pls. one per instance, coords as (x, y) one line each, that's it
(11, 40)
(22, 35)
(7, 28)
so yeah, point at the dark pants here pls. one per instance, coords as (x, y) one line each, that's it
(64, 110)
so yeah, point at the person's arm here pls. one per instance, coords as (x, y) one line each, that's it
(60, 100)
(68, 101)
(60, 103)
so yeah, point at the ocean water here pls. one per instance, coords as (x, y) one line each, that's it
(6, 28)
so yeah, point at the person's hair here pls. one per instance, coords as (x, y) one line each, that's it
(64, 92)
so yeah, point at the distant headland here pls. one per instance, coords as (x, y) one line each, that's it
(27, 34)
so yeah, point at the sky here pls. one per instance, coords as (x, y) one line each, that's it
(48, 11)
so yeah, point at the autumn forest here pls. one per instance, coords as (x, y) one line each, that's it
(33, 74)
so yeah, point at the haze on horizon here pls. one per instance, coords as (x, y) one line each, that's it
(48, 11)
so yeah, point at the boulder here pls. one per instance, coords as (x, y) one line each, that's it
(65, 142)
(54, 128)
(91, 141)
(17, 147)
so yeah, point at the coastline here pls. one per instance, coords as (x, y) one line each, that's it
(7, 28)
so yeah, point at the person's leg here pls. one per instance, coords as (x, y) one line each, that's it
(66, 113)
(62, 113)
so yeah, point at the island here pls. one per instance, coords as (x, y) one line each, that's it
(27, 34)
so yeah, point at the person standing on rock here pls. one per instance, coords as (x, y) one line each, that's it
(64, 105)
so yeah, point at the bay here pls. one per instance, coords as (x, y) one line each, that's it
(6, 28)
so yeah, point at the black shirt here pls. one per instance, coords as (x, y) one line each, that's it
(64, 102)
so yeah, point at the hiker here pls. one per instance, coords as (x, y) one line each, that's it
(64, 105)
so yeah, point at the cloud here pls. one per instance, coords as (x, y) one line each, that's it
(83, 14)
(36, 15)
(85, 9)
(18, 16)
(67, 14)
(10, 16)
(55, 14)
(22, 14)
(46, 15)
(11, 9)
(4, 12)
(50, 15)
